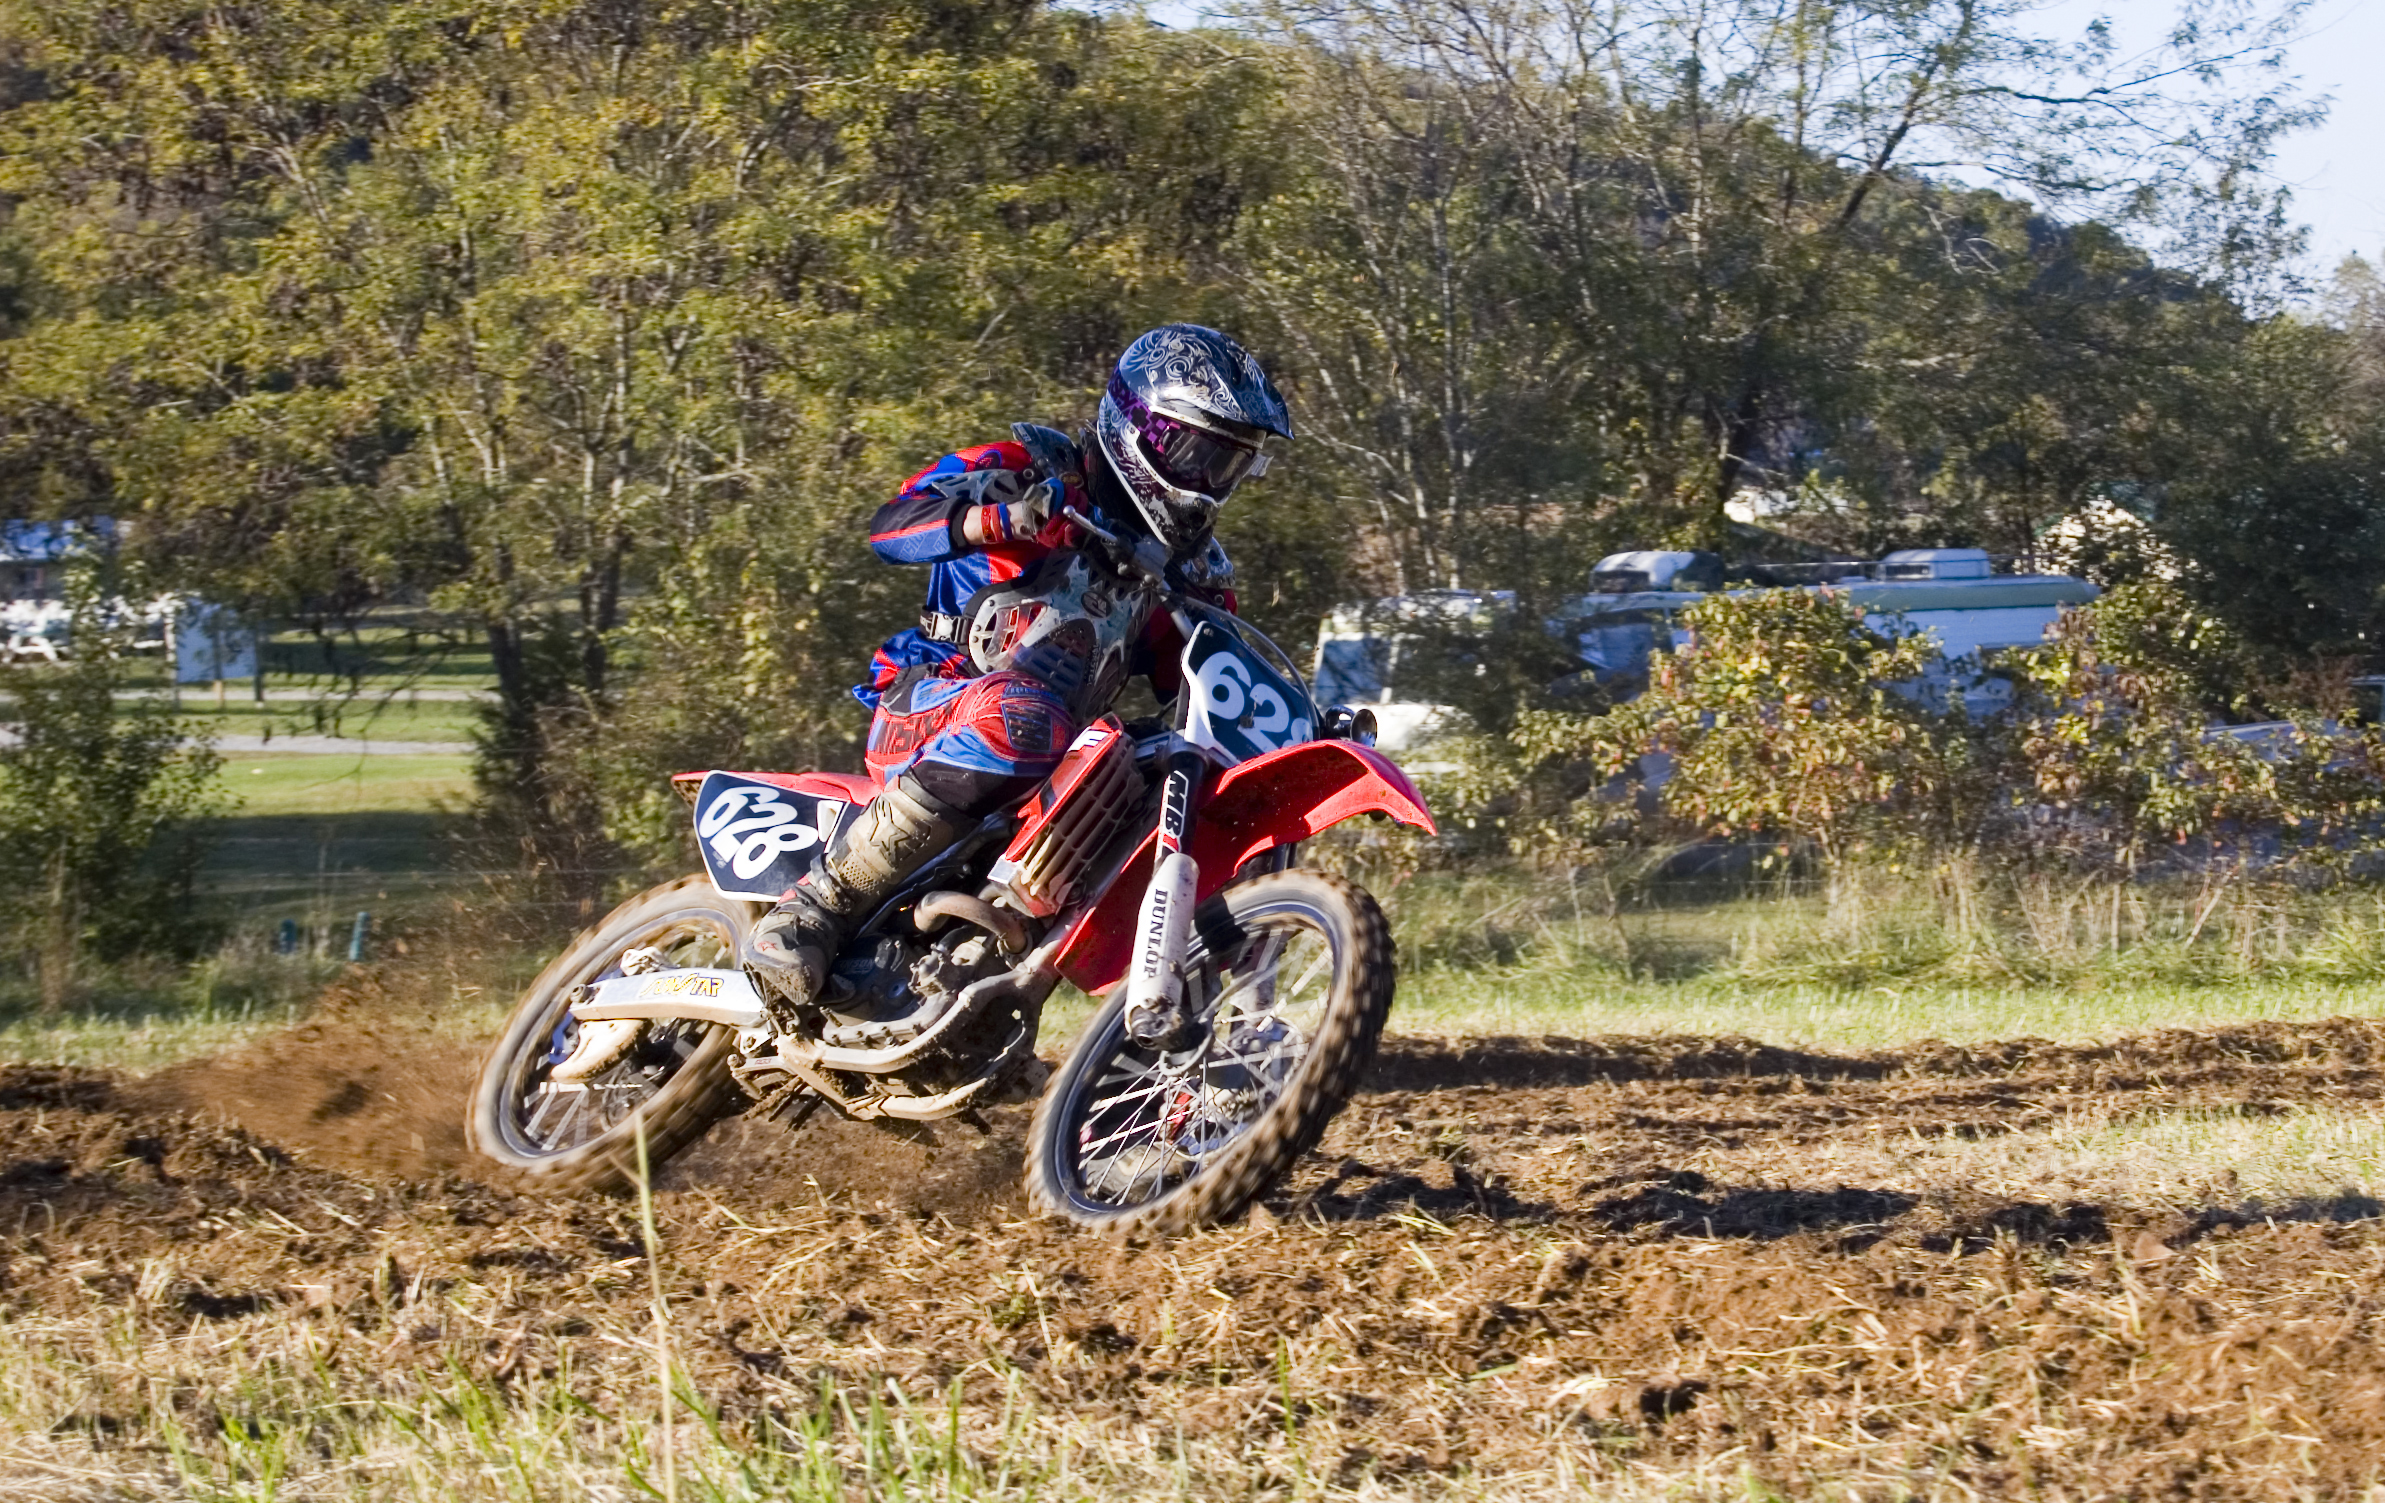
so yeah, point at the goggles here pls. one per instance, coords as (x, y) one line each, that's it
(1186, 456)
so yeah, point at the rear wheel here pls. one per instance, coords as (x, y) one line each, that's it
(673, 1080)
(1293, 975)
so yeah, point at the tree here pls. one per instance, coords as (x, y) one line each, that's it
(1735, 220)
(531, 311)
(103, 810)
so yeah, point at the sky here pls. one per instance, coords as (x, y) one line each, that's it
(2337, 171)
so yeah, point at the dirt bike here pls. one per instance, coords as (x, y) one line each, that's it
(1156, 866)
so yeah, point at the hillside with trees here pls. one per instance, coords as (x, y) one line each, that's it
(599, 328)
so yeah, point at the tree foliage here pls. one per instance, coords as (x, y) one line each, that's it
(102, 811)
(1790, 715)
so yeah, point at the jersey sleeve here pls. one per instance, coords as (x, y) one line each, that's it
(908, 649)
(921, 525)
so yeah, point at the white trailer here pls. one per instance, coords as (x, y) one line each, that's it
(1633, 612)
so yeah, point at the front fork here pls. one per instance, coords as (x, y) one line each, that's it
(1163, 931)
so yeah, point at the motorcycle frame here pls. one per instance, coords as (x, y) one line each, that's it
(1211, 823)
(1247, 810)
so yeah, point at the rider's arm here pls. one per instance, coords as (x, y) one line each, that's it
(976, 498)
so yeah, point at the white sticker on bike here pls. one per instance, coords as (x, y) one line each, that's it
(1271, 716)
(1225, 684)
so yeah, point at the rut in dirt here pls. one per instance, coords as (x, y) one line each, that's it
(388, 1102)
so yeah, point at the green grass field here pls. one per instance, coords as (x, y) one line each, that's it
(275, 784)
(313, 839)
(401, 650)
(1862, 1020)
(317, 835)
(364, 717)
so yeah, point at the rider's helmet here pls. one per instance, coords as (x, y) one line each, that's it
(1181, 426)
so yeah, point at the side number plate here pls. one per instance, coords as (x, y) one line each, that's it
(757, 838)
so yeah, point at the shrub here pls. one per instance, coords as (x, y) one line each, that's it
(2115, 754)
(1787, 715)
(1780, 717)
(103, 811)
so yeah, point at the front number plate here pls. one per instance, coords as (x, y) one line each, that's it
(1239, 708)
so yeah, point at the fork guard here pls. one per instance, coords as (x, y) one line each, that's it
(1277, 800)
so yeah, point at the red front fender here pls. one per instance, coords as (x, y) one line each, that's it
(1279, 799)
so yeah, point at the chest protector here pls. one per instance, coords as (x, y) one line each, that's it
(1065, 623)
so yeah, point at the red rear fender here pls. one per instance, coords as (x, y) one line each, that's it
(851, 787)
(1278, 800)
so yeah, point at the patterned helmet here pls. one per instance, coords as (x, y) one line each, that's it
(1181, 426)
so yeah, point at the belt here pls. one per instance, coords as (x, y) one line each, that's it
(939, 627)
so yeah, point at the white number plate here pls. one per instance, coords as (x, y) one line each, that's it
(1241, 708)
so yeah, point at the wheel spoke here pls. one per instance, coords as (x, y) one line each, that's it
(571, 1118)
(1144, 1127)
(537, 1125)
(1324, 959)
(1134, 1124)
(546, 1123)
(1102, 1104)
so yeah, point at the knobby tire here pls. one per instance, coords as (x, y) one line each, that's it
(1358, 1004)
(696, 1095)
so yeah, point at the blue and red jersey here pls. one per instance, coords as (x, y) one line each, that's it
(922, 525)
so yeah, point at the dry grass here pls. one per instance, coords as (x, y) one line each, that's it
(1876, 962)
(2258, 1160)
(1704, 1265)
(1901, 1377)
(287, 1423)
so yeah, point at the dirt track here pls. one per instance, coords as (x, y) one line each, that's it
(1500, 1243)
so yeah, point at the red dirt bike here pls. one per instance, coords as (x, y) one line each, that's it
(1157, 866)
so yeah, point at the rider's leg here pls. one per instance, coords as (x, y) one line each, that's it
(950, 752)
(892, 837)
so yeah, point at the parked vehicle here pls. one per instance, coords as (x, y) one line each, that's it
(32, 630)
(1161, 856)
(1367, 654)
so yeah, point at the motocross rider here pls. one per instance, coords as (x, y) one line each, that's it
(966, 720)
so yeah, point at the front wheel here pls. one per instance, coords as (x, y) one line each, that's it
(672, 1081)
(1292, 975)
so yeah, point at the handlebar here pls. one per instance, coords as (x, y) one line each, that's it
(1132, 558)
(1145, 559)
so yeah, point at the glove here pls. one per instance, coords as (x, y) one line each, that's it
(999, 519)
(1033, 511)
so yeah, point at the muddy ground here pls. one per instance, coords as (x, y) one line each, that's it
(1500, 1248)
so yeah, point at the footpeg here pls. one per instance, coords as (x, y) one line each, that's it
(1022, 1084)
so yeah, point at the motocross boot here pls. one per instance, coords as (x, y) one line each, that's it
(893, 836)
